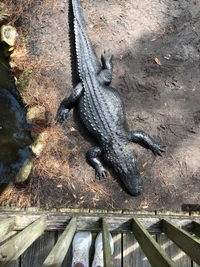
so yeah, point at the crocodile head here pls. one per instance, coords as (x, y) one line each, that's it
(123, 161)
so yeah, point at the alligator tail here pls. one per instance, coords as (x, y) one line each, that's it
(86, 56)
(78, 13)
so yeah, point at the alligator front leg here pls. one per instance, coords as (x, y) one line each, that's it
(147, 141)
(105, 76)
(92, 156)
(68, 103)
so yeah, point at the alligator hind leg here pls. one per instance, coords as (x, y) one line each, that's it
(68, 103)
(105, 76)
(92, 156)
(147, 141)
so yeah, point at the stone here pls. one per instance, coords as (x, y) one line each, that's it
(34, 112)
(8, 35)
(39, 144)
(24, 172)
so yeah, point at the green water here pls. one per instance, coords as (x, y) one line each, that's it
(14, 132)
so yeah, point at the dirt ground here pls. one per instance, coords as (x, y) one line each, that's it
(156, 47)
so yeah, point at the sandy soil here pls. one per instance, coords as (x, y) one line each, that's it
(156, 71)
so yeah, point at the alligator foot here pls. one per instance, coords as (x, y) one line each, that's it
(105, 76)
(157, 149)
(100, 172)
(147, 141)
(62, 114)
(106, 57)
(69, 102)
(92, 156)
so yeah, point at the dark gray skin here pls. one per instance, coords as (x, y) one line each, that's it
(102, 112)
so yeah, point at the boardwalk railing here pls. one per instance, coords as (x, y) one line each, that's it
(18, 230)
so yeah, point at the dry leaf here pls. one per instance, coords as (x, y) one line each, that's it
(144, 164)
(157, 61)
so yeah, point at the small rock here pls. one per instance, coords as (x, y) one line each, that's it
(34, 112)
(24, 172)
(39, 144)
(8, 35)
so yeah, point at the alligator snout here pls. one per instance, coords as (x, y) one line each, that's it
(133, 183)
(137, 187)
(136, 192)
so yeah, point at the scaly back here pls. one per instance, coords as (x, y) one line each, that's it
(88, 62)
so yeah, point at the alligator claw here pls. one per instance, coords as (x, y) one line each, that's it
(62, 114)
(101, 173)
(107, 55)
(158, 149)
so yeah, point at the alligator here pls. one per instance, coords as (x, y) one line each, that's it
(102, 112)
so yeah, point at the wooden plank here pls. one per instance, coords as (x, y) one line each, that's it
(68, 258)
(174, 252)
(118, 250)
(13, 248)
(115, 223)
(196, 228)
(101, 211)
(132, 252)
(183, 240)
(8, 236)
(155, 254)
(15, 263)
(6, 233)
(106, 245)
(38, 251)
(57, 255)
(91, 222)
(169, 212)
(7, 226)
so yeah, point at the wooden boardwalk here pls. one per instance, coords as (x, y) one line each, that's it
(127, 252)
(49, 227)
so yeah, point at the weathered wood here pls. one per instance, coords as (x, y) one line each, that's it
(15, 263)
(118, 248)
(170, 212)
(6, 226)
(196, 228)
(92, 222)
(106, 245)
(13, 248)
(155, 254)
(132, 252)
(8, 236)
(68, 258)
(174, 252)
(35, 255)
(183, 240)
(57, 255)
(102, 211)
